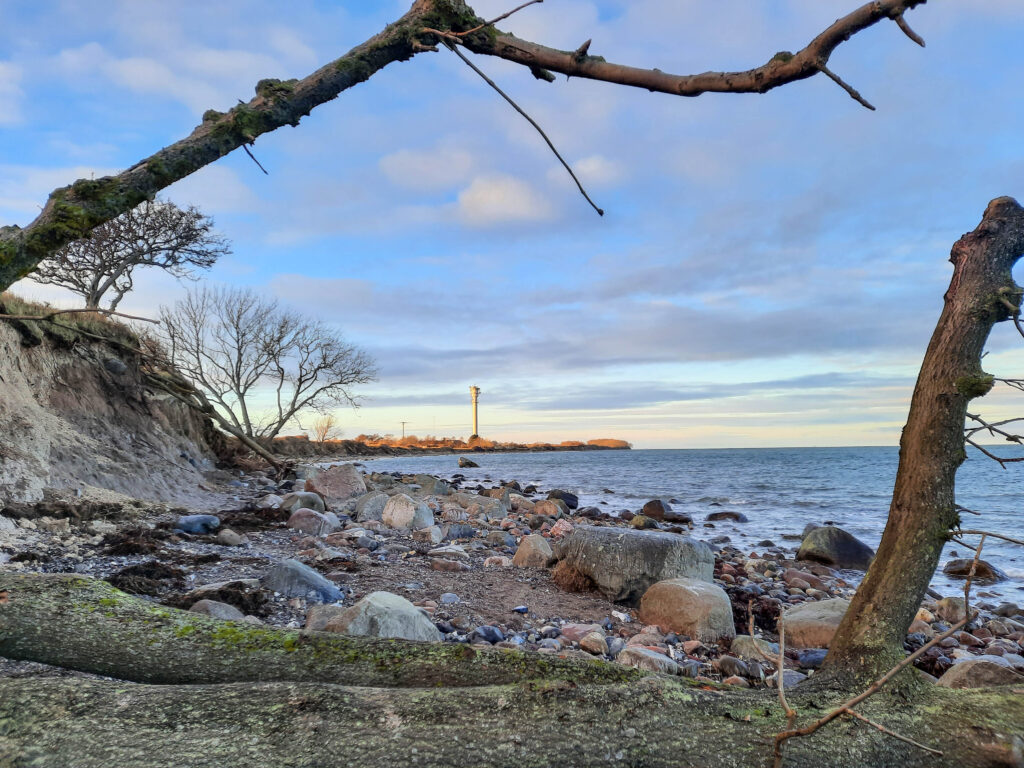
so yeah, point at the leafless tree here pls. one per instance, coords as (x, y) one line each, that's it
(324, 428)
(155, 234)
(260, 365)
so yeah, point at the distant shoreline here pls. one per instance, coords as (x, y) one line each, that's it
(301, 446)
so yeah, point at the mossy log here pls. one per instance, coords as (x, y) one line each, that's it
(237, 695)
(85, 624)
(65, 723)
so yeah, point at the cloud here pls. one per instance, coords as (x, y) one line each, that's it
(497, 199)
(25, 188)
(428, 169)
(10, 93)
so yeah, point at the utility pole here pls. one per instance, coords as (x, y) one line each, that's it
(403, 429)
(475, 392)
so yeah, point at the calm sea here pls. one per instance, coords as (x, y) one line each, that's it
(778, 489)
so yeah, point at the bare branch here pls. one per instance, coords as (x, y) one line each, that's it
(902, 24)
(253, 158)
(854, 93)
(961, 532)
(494, 21)
(530, 120)
(895, 735)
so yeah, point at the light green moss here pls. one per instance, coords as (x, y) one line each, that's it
(976, 385)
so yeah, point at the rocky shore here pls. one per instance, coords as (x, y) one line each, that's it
(375, 554)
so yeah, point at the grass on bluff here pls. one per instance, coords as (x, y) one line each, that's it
(62, 329)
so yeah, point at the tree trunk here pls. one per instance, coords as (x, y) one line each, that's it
(923, 510)
(320, 699)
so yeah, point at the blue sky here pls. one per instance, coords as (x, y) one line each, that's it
(768, 271)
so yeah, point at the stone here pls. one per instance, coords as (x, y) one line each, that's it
(313, 523)
(571, 500)
(689, 607)
(576, 632)
(984, 573)
(595, 643)
(812, 658)
(547, 507)
(737, 681)
(197, 524)
(293, 579)
(300, 499)
(951, 609)
(736, 517)
(746, 648)
(217, 610)
(230, 538)
(979, 673)
(534, 552)
(812, 625)
(382, 614)
(370, 506)
(318, 615)
(458, 531)
(432, 486)
(731, 666)
(643, 658)
(655, 509)
(560, 529)
(405, 513)
(834, 546)
(643, 523)
(498, 561)
(431, 535)
(624, 563)
(465, 463)
(337, 484)
(270, 501)
(790, 677)
(7, 525)
(449, 552)
(449, 566)
(500, 539)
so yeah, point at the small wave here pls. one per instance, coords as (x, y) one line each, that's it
(1014, 573)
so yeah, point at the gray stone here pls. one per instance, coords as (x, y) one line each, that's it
(432, 486)
(689, 607)
(7, 525)
(115, 366)
(313, 523)
(370, 506)
(747, 647)
(217, 610)
(789, 678)
(642, 658)
(382, 614)
(230, 538)
(979, 673)
(337, 484)
(834, 546)
(405, 513)
(318, 615)
(198, 524)
(300, 499)
(465, 463)
(624, 563)
(293, 579)
(812, 625)
(984, 572)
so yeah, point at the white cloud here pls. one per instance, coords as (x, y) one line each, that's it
(498, 199)
(10, 93)
(593, 171)
(428, 169)
(25, 188)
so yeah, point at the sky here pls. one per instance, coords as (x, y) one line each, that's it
(768, 271)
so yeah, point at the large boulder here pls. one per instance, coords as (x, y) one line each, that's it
(623, 563)
(382, 614)
(834, 546)
(432, 486)
(980, 673)
(534, 552)
(293, 579)
(337, 484)
(984, 572)
(405, 513)
(689, 607)
(812, 625)
(370, 506)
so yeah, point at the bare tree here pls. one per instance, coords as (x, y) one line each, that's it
(324, 428)
(240, 348)
(155, 234)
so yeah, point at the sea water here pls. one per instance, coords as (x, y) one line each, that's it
(779, 490)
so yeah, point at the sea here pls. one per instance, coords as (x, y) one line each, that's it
(779, 490)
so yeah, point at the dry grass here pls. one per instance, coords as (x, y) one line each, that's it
(63, 326)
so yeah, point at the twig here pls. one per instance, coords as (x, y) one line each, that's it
(517, 108)
(970, 577)
(961, 508)
(989, 533)
(253, 157)
(780, 664)
(895, 735)
(49, 316)
(902, 24)
(494, 21)
(854, 94)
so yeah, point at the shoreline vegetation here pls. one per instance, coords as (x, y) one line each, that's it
(375, 445)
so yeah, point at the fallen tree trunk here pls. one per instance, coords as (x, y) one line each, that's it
(330, 700)
(63, 723)
(85, 624)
